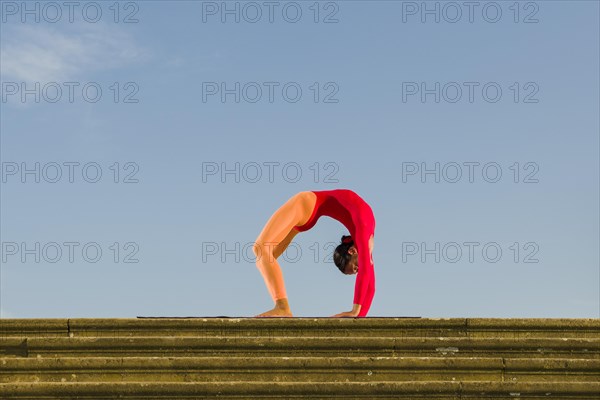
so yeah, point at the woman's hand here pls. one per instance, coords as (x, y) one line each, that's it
(345, 314)
(353, 313)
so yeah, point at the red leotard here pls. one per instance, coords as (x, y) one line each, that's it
(356, 215)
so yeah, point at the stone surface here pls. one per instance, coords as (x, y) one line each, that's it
(324, 358)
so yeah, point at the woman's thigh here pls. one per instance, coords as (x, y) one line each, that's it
(282, 222)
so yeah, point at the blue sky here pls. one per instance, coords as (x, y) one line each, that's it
(360, 123)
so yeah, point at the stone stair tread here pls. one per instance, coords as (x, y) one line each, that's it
(373, 388)
(155, 362)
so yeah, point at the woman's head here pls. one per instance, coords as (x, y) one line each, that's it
(345, 256)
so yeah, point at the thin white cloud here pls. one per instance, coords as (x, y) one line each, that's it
(45, 53)
(5, 314)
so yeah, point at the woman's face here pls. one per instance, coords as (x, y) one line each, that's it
(352, 266)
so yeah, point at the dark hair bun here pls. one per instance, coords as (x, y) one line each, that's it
(341, 255)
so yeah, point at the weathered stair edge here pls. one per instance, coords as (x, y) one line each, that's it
(371, 326)
(346, 389)
(291, 346)
(295, 369)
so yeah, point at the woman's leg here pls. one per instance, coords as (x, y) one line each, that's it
(274, 239)
(266, 261)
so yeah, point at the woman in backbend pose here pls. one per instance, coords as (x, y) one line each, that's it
(352, 256)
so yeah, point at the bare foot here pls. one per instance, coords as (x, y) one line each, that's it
(276, 312)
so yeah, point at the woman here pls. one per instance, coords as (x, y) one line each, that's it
(352, 256)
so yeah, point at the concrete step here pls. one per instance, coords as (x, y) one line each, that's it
(298, 327)
(312, 390)
(278, 346)
(314, 358)
(297, 369)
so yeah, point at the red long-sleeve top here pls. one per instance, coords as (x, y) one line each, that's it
(356, 215)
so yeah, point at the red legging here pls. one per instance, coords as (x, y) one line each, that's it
(276, 237)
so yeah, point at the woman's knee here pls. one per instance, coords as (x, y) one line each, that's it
(262, 250)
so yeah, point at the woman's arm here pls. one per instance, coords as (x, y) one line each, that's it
(361, 305)
(364, 287)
